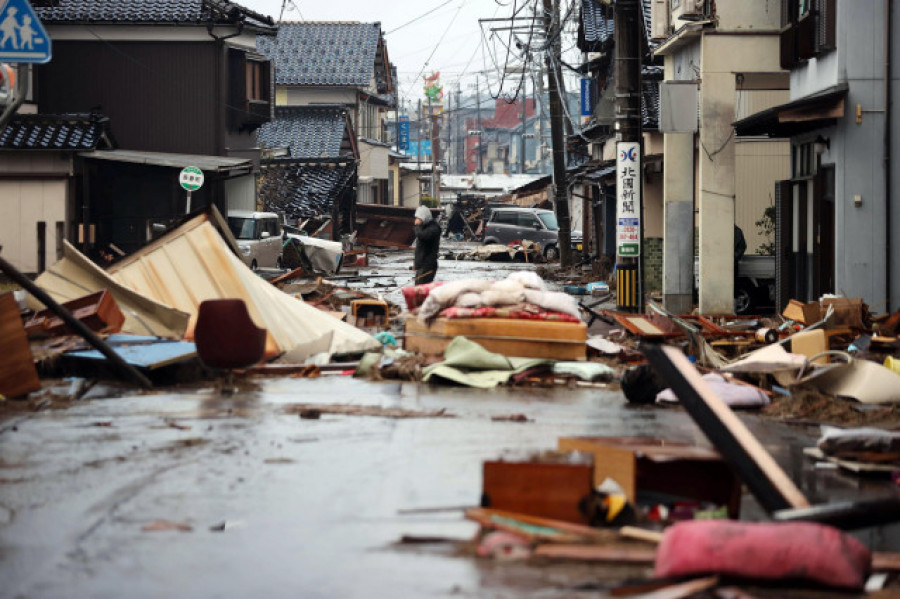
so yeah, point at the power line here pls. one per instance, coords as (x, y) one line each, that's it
(422, 16)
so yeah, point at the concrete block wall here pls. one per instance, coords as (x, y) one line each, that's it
(653, 264)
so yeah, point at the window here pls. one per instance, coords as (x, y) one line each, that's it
(527, 220)
(549, 220)
(254, 81)
(249, 89)
(808, 30)
(506, 218)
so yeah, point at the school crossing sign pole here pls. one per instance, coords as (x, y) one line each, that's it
(22, 35)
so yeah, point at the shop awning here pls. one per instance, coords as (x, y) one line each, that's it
(821, 109)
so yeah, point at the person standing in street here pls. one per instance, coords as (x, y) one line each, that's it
(428, 240)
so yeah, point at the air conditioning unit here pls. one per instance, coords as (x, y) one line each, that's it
(694, 10)
(659, 19)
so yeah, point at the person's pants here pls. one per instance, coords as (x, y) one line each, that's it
(425, 275)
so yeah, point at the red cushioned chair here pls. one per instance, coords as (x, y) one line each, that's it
(227, 338)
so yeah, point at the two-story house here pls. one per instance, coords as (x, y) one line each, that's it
(721, 61)
(314, 177)
(340, 64)
(837, 221)
(180, 83)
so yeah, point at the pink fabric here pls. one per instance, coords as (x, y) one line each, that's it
(767, 551)
(415, 296)
(519, 312)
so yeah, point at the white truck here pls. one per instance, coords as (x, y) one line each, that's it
(755, 287)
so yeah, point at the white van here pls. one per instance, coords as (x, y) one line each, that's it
(258, 235)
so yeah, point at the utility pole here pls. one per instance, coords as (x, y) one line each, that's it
(460, 135)
(480, 130)
(419, 145)
(561, 199)
(524, 101)
(435, 147)
(449, 119)
(629, 158)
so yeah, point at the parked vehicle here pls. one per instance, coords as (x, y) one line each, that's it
(507, 225)
(258, 235)
(755, 287)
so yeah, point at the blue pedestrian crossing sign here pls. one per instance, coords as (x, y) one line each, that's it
(22, 35)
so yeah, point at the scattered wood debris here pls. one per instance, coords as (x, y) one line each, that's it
(357, 410)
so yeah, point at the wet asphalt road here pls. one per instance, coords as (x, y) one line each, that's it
(309, 508)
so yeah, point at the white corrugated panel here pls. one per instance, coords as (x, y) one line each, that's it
(193, 264)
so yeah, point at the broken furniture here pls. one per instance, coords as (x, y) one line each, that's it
(776, 493)
(548, 486)
(507, 336)
(226, 336)
(370, 312)
(98, 311)
(18, 375)
(648, 464)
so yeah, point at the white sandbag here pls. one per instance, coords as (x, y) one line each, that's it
(503, 293)
(528, 279)
(444, 296)
(555, 301)
(469, 300)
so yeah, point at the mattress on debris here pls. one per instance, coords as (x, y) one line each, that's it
(507, 336)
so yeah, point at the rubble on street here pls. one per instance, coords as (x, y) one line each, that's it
(624, 498)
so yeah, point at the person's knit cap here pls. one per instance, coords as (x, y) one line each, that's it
(424, 213)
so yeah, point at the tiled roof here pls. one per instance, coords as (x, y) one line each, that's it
(323, 53)
(596, 28)
(650, 78)
(597, 25)
(150, 11)
(303, 190)
(73, 132)
(307, 131)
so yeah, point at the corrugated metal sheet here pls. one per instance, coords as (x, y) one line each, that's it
(758, 165)
(75, 276)
(193, 263)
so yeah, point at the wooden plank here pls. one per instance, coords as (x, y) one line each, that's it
(755, 466)
(597, 553)
(18, 376)
(641, 534)
(682, 589)
(488, 517)
(886, 561)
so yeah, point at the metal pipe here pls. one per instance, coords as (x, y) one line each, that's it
(888, 48)
(78, 326)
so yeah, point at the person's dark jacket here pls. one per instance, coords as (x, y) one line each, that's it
(428, 240)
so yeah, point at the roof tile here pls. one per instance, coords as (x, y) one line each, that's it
(309, 53)
(67, 132)
(303, 190)
(307, 131)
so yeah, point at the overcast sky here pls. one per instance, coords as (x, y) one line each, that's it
(447, 37)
